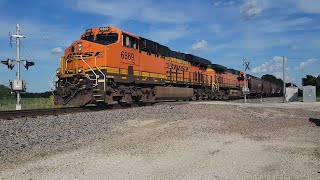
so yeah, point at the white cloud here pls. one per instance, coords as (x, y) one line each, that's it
(251, 8)
(262, 68)
(278, 74)
(166, 35)
(220, 31)
(41, 37)
(6, 28)
(143, 10)
(305, 64)
(290, 79)
(218, 3)
(56, 50)
(285, 25)
(310, 6)
(295, 47)
(270, 66)
(201, 45)
(277, 59)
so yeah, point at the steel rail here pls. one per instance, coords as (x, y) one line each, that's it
(33, 113)
(10, 115)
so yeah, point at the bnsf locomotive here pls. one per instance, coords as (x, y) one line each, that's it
(108, 65)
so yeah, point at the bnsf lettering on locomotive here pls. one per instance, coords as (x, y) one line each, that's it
(126, 55)
(86, 54)
(178, 67)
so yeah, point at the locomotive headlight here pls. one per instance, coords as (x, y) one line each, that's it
(80, 70)
(79, 46)
(88, 31)
(104, 28)
(58, 71)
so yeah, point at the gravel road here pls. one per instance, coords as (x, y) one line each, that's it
(192, 140)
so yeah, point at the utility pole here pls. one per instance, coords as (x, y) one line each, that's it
(284, 78)
(17, 85)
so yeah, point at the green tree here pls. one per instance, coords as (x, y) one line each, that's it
(46, 94)
(5, 92)
(273, 79)
(310, 80)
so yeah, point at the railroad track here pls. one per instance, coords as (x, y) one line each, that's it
(33, 113)
(10, 115)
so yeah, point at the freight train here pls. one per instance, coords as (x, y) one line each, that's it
(108, 66)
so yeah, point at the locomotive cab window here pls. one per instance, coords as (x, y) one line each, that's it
(107, 39)
(88, 38)
(129, 41)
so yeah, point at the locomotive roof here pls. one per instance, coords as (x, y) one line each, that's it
(197, 60)
(234, 71)
(218, 67)
(160, 49)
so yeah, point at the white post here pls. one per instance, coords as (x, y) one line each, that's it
(245, 82)
(18, 105)
(284, 79)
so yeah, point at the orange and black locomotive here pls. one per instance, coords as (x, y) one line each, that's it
(108, 65)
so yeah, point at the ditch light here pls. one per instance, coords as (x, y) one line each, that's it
(8, 63)
(27, 64)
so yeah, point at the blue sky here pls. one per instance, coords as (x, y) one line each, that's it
(223, 31)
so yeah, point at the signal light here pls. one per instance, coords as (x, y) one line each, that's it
(80, 70)
(27, 64)
(8, 63)
(104, 28)
(88, 31)
(240, 78)
(58, 71)
(79, 46)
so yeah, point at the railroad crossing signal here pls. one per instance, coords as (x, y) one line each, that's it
(27, 64)
(246, 65)
(17, 85)
(246, 90)
(8, 63)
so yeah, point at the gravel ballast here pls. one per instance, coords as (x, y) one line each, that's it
(196, 140)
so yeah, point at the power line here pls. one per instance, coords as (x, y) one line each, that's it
(303, 58)
(28, 52)
(37, 69)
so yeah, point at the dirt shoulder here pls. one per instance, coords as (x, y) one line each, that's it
(198, 140)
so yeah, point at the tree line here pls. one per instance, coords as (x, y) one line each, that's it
(273, 79)
(310, 80)
(5, 93)
(277, 81)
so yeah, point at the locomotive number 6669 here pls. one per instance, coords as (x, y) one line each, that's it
(126, 55)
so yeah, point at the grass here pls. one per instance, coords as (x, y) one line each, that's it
(36, 103)
(27, 103)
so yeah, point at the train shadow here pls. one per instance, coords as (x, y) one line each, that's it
(316, 121)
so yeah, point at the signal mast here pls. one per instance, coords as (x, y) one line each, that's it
(245, 87)
(17, 85)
